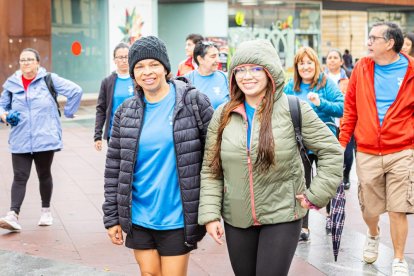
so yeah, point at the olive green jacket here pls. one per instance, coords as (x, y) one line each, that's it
(245, 197)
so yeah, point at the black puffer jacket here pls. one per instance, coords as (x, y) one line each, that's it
(189, 145)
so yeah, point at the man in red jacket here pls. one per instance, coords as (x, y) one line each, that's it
(379, 108)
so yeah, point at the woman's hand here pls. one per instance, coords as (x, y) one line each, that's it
(302, 201)
(216, 231)
(115, 234)
(3, 117)
(98, 145)
(314, 98)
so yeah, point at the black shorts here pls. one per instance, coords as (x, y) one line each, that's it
(167, 242)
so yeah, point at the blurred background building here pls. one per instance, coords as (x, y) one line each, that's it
(76, 37)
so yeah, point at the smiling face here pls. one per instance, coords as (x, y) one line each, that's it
(252, 81)
(407, 47)
(306, 69)
(210, 62)
(334, 61)
(28, 64)
(150, 74)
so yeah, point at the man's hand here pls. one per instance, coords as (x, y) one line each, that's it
(216, 231)
(115, 234)
(98, 145)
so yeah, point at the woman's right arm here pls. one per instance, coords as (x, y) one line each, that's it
(100, 111)
(5, 105)
(211, 188)
(112, 170)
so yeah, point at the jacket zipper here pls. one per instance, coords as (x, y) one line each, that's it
(175, 112)
(29, 118)
(133, 165)
(250, 166)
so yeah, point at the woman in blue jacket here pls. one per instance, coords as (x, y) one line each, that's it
(310, 84)
(36, 132)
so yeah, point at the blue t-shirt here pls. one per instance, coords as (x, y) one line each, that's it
(123, 90)
(387, 81)
(303, 93)
(156, 197)
(250, 114)
(215, 86)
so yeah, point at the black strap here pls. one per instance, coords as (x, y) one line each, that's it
(296, 115)
(51, 87)
(194, 100)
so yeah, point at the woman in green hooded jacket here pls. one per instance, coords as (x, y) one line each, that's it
(252, 174)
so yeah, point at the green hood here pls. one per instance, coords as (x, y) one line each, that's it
(260, 52)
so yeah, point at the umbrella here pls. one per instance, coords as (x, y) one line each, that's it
(337, 218)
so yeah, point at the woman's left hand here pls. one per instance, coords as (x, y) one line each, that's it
(302, 201)
(314, 98)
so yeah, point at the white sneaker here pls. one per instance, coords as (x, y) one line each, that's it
(399, 268)
(46, 218)
(10, 222)
(371, 248)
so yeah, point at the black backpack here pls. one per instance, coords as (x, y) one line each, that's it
(51, 87)
(296, 115)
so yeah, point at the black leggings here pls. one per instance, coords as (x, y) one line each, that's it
(22, 164)
(349, 158)
(308, 179)
(262, 250)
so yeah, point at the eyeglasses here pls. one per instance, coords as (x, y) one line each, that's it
(241, 72)
(121, 58)
(27, 61)
(373, 38)
(139, 69)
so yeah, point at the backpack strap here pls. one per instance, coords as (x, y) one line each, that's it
(51, 88)
(194, 105)
(296, 115)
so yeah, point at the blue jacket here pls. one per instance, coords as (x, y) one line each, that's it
(39, 128)
(332, 102)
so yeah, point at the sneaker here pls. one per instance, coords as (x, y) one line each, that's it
(399, 268)
(328, 226)
(347, 185)
(371, 248)
(304, 235)
(46, 218)
(10, 222)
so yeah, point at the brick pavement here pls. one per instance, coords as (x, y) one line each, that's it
(77, 244)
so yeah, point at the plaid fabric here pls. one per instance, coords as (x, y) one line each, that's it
(337, 218)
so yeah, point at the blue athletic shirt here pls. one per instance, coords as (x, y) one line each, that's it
(387, 81)
(303, 93)
(250, 114)
(156, 198)
(123, 90)
(215, 86)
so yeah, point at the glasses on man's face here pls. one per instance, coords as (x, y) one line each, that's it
(373, 38)
(26, 61)
(121, 58)
(255, 71)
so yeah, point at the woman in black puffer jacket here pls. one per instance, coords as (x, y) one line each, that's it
(152, 174)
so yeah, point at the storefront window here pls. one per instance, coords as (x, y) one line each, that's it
(403, 17)
(79, 41)
(287, 25)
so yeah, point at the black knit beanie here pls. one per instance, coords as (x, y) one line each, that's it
(148, 47)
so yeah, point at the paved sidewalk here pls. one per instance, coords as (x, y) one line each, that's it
(77, 243)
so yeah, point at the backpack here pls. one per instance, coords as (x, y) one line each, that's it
(296, 115)
(51, 88)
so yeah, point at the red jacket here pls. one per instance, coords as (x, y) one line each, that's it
(361, 117)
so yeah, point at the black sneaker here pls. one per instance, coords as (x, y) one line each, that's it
(347, 185)
(328, 229)
(304, 236)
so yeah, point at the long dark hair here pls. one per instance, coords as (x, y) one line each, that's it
(266, 153)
